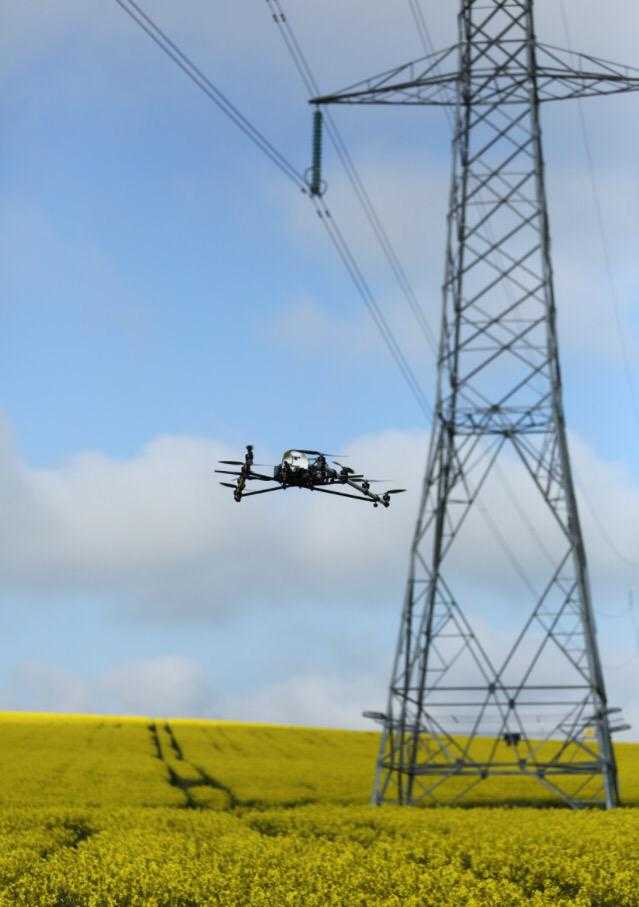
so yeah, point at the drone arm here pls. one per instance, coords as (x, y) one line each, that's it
(368, 494)
(247, 494)
(248, 476)
(343, 494)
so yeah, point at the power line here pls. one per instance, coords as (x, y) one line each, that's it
(427, 42)
(506, 548)
(306, 74)
(604, 241)
(345, 253)
(337, 238)
(301, 64)
(210, 90)
(422, 27)
(615, 299)
(335, 234)
(635, 625)
(602, 529)
(429, 48)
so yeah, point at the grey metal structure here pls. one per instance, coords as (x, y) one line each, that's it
(461, 711)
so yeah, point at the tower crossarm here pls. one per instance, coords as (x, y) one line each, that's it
(430, 81)
(564, 75)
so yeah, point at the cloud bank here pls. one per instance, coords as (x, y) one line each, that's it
(158, 532)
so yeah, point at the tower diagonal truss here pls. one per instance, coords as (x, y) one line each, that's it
(462, 709)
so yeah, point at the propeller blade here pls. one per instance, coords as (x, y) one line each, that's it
(228, 484)
(347, 468)
(232, 462)
(395, 491)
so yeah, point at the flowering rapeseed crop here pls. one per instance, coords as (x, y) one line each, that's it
(92, 812)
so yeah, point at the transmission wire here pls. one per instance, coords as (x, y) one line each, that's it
(306, 74)
(335, 234)
(345, 253)
(429, 48)
(301, 64)
(614, 293)
(427, 43)
(616, 304)
(303, 68)
(210, 90)
(337, 238)
(602, 529)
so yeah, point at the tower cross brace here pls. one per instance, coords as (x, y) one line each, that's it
(460, 713)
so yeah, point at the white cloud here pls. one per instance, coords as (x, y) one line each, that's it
(35, 685)
(169, 685)
(176, 686)
(156, 536)
(316, 700)
(158, 533)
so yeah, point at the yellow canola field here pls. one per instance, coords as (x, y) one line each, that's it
(108, 811)
(330, 855)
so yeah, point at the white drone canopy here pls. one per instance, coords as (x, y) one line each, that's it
(295, 459)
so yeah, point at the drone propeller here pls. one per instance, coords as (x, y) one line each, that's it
(228, 484)
(395, 491)
(347, 468)
(232, 462)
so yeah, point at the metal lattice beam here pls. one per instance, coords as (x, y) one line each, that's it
(561, 75)
(538, 711)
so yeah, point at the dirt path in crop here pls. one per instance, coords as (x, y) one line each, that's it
(162, 739)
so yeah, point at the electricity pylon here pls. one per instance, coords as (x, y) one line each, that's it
(460, 712)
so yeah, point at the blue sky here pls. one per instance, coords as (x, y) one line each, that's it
(168, 297)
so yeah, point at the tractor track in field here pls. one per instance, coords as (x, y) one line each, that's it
(166, 746)
(175, 779)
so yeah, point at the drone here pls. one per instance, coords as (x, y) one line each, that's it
(304, 469)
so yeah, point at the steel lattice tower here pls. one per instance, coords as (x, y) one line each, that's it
(542, 700)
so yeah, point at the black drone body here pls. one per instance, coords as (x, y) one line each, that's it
(304, 469)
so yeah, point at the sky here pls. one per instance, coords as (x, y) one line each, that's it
(168, 297)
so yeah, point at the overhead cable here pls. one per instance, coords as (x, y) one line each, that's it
(602, 529)
(614, 295)
(633, 391)
(428, 46)
(345, 253)
(196, 75)
(306, 74)
(141, 18)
